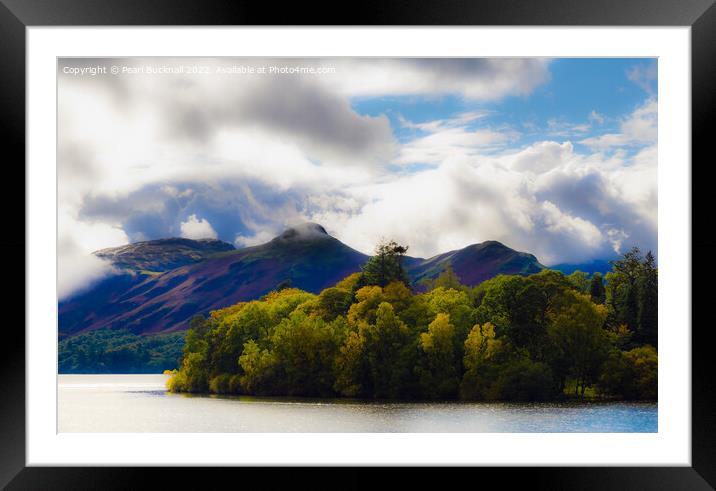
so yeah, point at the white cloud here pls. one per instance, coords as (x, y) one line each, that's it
(260, 237)
(473, 78)
(447, 138)
(595, 117)
(639, 128)
(556, 221)
(541, 157)
(77, 268)
(546, 199)
(644, 76)
(194, 228)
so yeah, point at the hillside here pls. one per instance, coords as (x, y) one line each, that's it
(477, 263)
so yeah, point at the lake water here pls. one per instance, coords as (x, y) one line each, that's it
(139, 403)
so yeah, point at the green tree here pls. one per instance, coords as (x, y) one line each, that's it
(352, 378)
(385, 266)
(576, 331)
(579, 281)
(334, 302)
(440, 368)
(623, 284)
(631, 374)
(259, 370)
(304, 349)
(446, 279)
(596, 288)
(649, 302)
(387, 350)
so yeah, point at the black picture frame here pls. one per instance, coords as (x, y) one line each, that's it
(17, 15)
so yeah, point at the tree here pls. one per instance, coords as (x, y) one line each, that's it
(596, 288)
(304, 349)
(334, 302)
(631, 374)
(623, 284)
(518, 307)
(367, 300)
(386, 348)
(480, 346)
(259, 368)
(457, 305)
(579, 281)
(351, 377)
(481, 349)
(386, 266)
(576, 331)
(632, 293)
(649, 302)
(440, 368)
(446, 279)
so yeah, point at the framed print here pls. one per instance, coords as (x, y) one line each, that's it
(411, 237)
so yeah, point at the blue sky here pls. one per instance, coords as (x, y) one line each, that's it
(554, 157)
(577, 87)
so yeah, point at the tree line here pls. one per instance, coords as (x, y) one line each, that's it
(119, 351)
(525, 338)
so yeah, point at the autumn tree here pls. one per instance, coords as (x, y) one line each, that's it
(439, 369)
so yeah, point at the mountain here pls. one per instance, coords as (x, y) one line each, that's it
(166, 282)
(163, 254)
(597, 266)
(305, 255)
(476, 263)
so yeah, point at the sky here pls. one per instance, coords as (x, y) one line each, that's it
(556, 157)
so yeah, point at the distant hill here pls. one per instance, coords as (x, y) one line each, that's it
(163, 254)
(596, 266)
(477, 263)
(188, 277)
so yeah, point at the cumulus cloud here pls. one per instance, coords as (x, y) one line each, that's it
(546, 199)
(197, 228)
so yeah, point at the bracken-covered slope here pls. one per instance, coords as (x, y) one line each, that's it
(304, 256)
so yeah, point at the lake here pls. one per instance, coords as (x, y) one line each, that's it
(140, 403)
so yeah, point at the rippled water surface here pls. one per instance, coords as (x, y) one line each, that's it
(139, 403)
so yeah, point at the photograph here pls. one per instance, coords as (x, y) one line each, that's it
(357, 245)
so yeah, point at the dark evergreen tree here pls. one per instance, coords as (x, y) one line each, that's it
(626, 275)
(386, 266)
(596, 289)
(649, 302)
